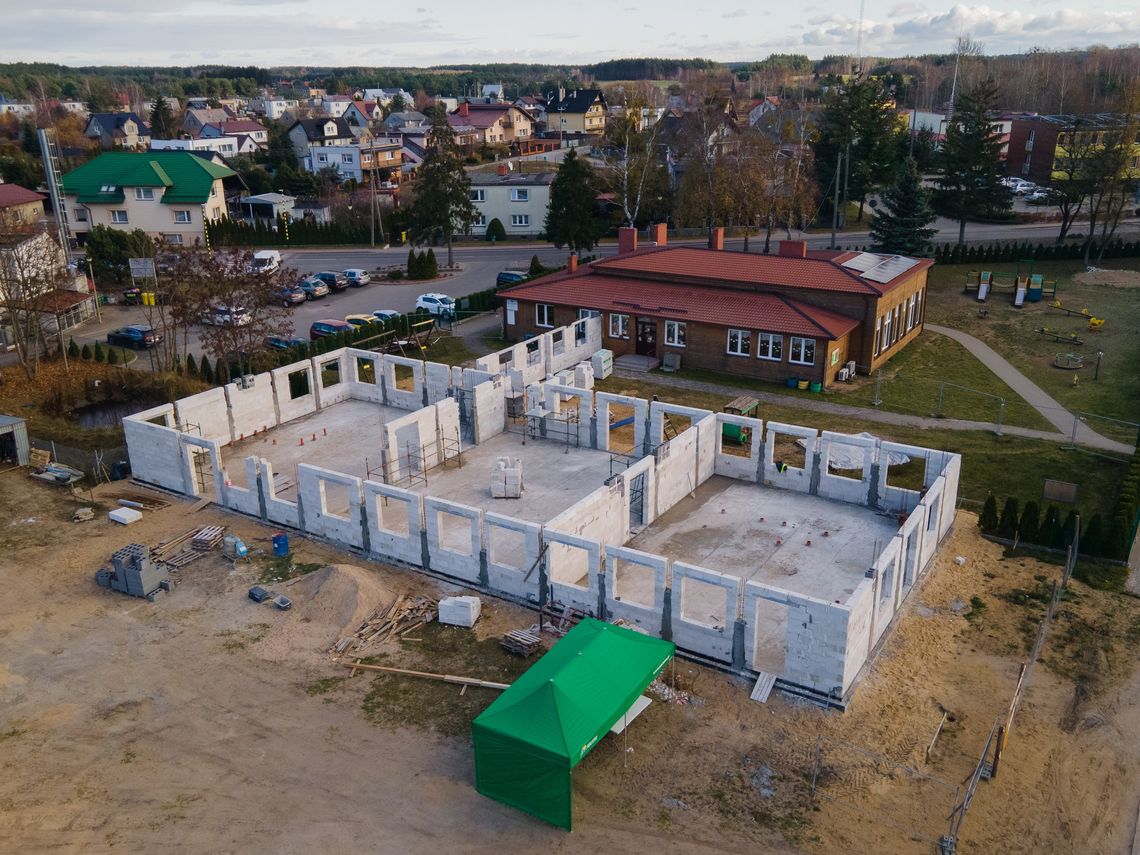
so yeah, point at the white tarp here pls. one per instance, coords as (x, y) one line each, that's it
(851, 456)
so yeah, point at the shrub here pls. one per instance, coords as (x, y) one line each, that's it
(206, 369)
(495, 230)
(1029, 529)
(100, 353)
(112, 356)
(191, 365)
(85, 353)
(396, 275)
(1092, 538)
(1007, 525)
(431, 265)
(988, 521)
(1051, 533)
(72, 350)
(412, 265)
(536, 267)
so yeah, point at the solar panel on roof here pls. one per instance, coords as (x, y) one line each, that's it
(889, 269)
(864, 261)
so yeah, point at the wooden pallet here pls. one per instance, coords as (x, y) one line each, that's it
(207, 537)
(181, 559)
(520, 642)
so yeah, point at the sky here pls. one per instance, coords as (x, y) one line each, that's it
(369, 33)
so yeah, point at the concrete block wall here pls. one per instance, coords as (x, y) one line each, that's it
(280, 511)
(702, 636)
(888, 570)
(489, 409)
(646, 612)
(951, 472)
(646, 466)
(580, 341)
(602, 516)
(155, 450)
(559, 398)
(189, 447)
(735, 465)
(289, 408)
(843, 488)
(935, 503)
(243, 499)
(860, 608)
(313, 483)
(794, 477)
(569, 559)
(437, 378)
(675, 467)
(448, 430)
(454, 538)
(657, 412)
(759, 598)
(340, 387)
(401, 440)
(817, 644)
(359, 388)
(403, 399)
(507, 568)
(911, 534)
(602, 403)
(205, 415)
(707, 438)
(385, 540)
(252, 410)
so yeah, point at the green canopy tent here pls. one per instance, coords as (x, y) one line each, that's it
(528, 741)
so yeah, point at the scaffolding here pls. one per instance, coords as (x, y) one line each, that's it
(410, 467)
(560, 427)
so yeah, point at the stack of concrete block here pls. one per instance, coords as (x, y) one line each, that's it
(506, 478)
(135, 573)
(584, 375)
(459, 611)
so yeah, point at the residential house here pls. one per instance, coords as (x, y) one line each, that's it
(356, 160)
(518, 201)
(448, 103)
(77, 108)
(19, 207)
(264, 207)
(494, 123)
(534, 106)
(334, 105)
(307, 134)
(405, 119)
(1039, 146)
(225, 146)
(361, 114)
(582, 111)
(494, 93)
(168, 194)
(234, 127)
(274, 108)
(196, 119)
(38, 285)
(386, 96)
(795, 316)
(20, 109)
(686, 133)
(762, 107)
(118, 130)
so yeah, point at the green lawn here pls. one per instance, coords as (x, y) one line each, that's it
(1006, 466)
(911, 383)
(1013, 333)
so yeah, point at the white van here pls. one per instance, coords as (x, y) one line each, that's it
(266, 261)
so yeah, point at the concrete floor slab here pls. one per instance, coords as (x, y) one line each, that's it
(733, 527)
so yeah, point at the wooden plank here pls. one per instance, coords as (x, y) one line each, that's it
(763, 687)
(447, 678)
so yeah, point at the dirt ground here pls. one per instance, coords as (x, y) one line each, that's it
(1114, 278)
(206, 723)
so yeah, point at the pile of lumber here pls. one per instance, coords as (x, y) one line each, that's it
(560, 618)
(188, 546)
(402, 616)
(207, 537)
(521, 642)
(142, 503)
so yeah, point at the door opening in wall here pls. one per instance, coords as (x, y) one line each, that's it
(646, 343)
(637, 501)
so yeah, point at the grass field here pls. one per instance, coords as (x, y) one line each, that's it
(1013, 333)
(1006, 466)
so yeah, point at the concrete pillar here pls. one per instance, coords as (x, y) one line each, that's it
(365, 537)
(738, 644)
(873, 487)
(602, 613)
(667, 615)
(425, 553)
(300, 511)
(484, 577)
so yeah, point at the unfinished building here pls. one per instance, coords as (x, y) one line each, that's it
(763, 557)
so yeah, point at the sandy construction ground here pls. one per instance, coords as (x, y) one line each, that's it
(206, 723)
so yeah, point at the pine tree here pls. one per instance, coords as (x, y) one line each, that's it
(100, 353)
(969, 165)
(431, 265)
(1092, 538)
(1051, 532)
(412, 267)
(442, 206)
(207, 370)
(536, 267)
(571, 218)
(112, 356)
(191, 366)
(72, 350)
(85, 353)
(988, 521)
(162, 122)
(1029, 529)
(1007, 525)
(902, 221)
(1069, 529)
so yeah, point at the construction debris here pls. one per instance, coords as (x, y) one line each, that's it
(669, 694)
(207, 537)
(83, 515)
(141, 503)
(201, 540)
(403, 615)
(133, 572)
(459, 611)
(521, 642)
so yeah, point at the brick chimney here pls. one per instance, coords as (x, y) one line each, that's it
(658, 233)
(463, 109)
(793, 248)
(627, 240)
(572, 263)
(716, 239)
(502, 169)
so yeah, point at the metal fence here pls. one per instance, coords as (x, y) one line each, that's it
(98, 465)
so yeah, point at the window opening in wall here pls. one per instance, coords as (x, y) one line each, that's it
(365, 370)
(544, 314)
(454, 532)
(299, 384)
(330, 373)
(770, 641)
(392, 515)
(739, 342)
(932, 513)
(334, 499)
(886, 588)
(580, 332)
(621, 428)
(506, 547)
(637, 501)
(556, 340)
(802, 351)
(633, 583)
(675, 335)
(787, 451)
(619, 326)
(905, 476)
(405, 377)
(910, 558)
(703, 602)
(533, 356)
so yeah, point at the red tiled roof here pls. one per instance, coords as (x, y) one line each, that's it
(707, 265)
(699, 304)
(14, 194)
(241, 126)
(480, 116)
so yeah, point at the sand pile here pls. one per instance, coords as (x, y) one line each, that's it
(1112, 278)
(327, 605)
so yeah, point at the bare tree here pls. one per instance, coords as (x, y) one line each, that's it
(32, 270)
(631, 159)
(1112, 176)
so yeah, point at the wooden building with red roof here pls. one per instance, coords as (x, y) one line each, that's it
(797, 315)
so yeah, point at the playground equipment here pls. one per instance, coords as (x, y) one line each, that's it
(1021, 288)
(1083, 313)
(745, 405)
(1027, 287)
(1069, 361)
(1036, 288)
(1064, 338)
(1095, 324)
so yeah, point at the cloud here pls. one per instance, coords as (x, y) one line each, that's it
(735, 13)
(900, 10)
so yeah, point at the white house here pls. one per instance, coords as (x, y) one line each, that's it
(355, 160)
(235, 127)
(18, 108)
(519, 202)
(274, 108)
(385, 96)
(225, 146)
(335, 105)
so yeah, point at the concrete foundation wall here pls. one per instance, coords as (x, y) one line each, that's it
(737, 465)
(675, 465)
(153, 449)
(251, 410)
(489, 409)
(205, 415)
(602, 403)
(341, 389)
(317, 488)
(794, 477)
(508, 567)
(701, 636)
(843, 488)
(244, 499)
(383, 502)
(280, 511)
(403, 399)
(360, 388)
(454, 538)
(289, 408)
(437, 378)
(571, 560)
(648, 615)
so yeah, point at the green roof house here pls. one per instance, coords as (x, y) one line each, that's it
(167, 194)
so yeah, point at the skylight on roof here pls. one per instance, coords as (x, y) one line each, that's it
(107, 188)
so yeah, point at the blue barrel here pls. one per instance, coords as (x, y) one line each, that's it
(280, 544)
(792, 382)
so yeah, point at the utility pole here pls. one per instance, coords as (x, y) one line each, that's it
(835, 202)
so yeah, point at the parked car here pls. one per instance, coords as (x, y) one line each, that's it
(314, 288)
(327, 327)
(266, 261)
(276, 342)
(385, 314)
(361, 320)
(227, 316)
(1039, 196)
(511, 277)
(290, 295)
(357, 277)
(136, 337)
(436, 304)
(334, 280)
